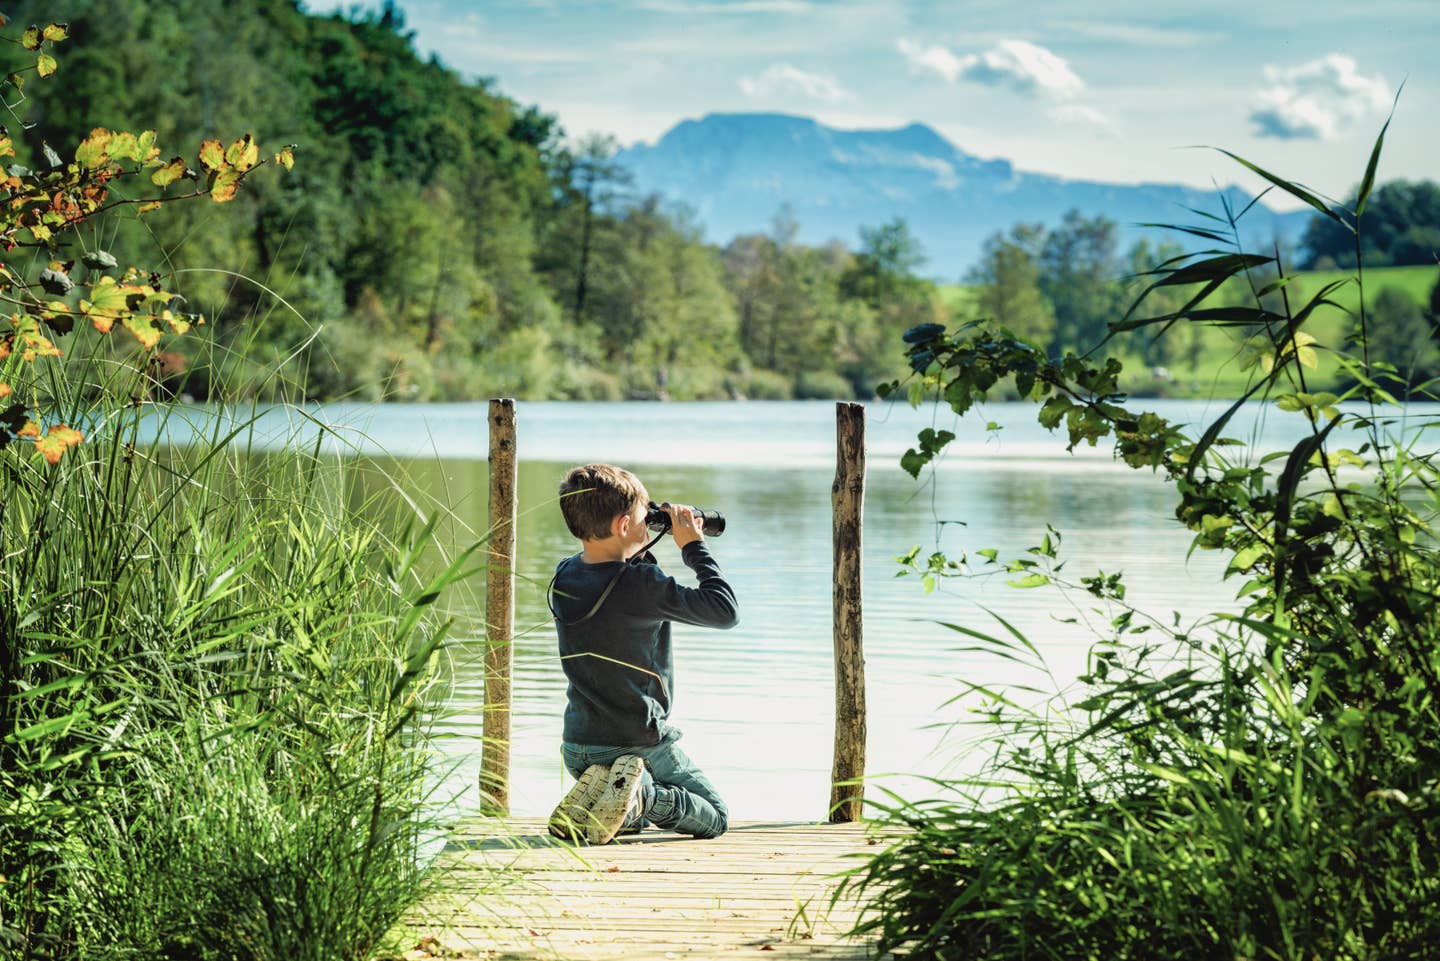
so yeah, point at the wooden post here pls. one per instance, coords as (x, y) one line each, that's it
(499, 612)
(847, 498)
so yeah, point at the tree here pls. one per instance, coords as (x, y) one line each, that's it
(1400, 333)
(1402, 228)
(883, 270)
(591, 182)
(1171, 344)
(1079, 274)
(1009, 278)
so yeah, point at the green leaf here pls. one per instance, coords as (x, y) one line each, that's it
(1294, 190)
(1053, 410)
(1030, 580)
(1368, 182)
(912, 460)
(1214, 268)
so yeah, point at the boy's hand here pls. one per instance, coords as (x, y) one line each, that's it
(683, 524)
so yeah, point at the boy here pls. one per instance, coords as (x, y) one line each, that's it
(613, 607)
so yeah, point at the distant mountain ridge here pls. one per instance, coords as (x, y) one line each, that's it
(736, 170)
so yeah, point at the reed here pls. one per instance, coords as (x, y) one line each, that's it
(1262, 784)
(215, 667)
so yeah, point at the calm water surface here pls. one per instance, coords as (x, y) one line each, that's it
(756, 702)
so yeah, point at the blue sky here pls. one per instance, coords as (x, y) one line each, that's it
(1113, 90)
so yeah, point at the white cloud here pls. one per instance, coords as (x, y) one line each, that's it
(933, 59)
(1138, 35)
(784, 79)
(691, 7)
(1318, 100)
(1018, 64)
(1080, 114)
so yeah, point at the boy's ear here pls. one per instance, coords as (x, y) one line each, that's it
(619, 525)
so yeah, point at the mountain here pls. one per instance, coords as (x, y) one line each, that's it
(737, 170)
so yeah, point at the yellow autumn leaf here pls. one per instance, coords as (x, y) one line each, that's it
(31, 38)
(177, 324)
(5, 390)
(7, 147)
(243, 153)
(31, 429)
(146, 208)
(32, 343)
(105, 304)
(145, 327)
(169, 173)
(286, 158)
(56, 31)
(56, 442)
(212, 155)
(94, 150)
(45, 65)
(223, 185)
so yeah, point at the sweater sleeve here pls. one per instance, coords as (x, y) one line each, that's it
(712, 604)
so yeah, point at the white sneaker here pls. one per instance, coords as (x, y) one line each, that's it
(619, 799)
(568, 820)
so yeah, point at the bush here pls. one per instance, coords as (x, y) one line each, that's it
(822, 385)
(1261, 785)
(760, 384)
(214, 659)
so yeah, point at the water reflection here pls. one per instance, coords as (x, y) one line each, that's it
(756, 703)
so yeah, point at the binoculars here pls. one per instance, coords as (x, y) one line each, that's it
(712, 523)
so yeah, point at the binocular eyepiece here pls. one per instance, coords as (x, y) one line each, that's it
(712, 523)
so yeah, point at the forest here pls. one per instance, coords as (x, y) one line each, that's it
(439, 241)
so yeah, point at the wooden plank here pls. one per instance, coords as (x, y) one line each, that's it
(505, 892)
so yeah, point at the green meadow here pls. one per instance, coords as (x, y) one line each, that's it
(1213, 367)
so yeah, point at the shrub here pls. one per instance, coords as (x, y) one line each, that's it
(822, 385)
(213, 659)
(1264, 784)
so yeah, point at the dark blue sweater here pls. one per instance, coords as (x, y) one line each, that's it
(618, 663)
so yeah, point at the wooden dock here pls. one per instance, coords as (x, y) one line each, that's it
(510, 891)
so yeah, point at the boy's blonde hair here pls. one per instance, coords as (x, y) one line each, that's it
(594, 495)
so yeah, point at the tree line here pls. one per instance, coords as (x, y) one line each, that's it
(437, 240)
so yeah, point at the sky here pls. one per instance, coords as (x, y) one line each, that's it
(1119, 91)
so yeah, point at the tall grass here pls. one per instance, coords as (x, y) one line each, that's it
(214, 665)
(1262, 785)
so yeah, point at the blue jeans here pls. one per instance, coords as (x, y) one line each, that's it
(684, 800)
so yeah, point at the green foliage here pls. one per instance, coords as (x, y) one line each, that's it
(48, 209)
(1009, 280)
(1402, 229)
(441, 223)
(1079, 275)
(1260, 784)
(213, 661)
(1404, 335)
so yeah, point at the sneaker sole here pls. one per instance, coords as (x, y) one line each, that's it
(608, 812)
(573, 811)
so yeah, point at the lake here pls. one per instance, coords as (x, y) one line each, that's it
(756, 702)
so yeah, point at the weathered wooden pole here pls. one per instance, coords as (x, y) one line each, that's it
(847, 498)
(499, 612)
